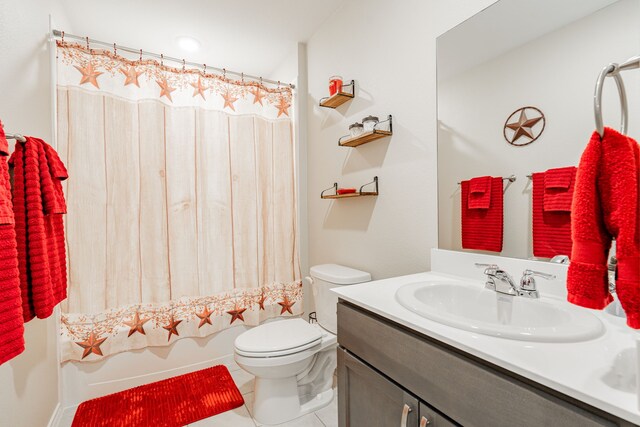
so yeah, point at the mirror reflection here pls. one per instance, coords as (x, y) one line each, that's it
(518, 101)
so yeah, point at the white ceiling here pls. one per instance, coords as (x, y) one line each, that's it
(251, 36)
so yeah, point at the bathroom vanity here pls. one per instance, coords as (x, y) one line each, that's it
(383, 366)
(398, 368)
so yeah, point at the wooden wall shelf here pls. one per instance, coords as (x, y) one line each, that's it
(376, 133)
(358, 193)
(339, 98)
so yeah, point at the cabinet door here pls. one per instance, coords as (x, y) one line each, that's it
(367, 399)
(429, 417)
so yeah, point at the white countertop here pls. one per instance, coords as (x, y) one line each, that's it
(598, 372)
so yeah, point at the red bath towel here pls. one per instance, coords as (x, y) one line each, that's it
(551, 212)
(11, 323)
(39, 205)
(482, 228)
(605, 206)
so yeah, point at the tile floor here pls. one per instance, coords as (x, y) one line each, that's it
(241, 417)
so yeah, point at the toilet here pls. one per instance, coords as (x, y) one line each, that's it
(292, 360)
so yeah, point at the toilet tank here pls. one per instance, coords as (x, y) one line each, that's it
(326, 277)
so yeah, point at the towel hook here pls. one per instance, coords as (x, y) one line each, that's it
(613, 71)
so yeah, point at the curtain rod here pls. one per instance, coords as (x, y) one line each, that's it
(62, 35)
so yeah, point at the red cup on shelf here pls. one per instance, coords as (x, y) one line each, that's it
(335, 85)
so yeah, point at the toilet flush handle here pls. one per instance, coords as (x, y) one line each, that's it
(309, 279)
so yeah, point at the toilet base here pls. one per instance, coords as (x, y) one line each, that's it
(276, 400)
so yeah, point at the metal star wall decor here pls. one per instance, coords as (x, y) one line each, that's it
(529, 124)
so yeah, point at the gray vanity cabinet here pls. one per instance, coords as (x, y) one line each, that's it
(374, 401)
(382, 366)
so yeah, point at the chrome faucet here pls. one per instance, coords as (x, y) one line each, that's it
(500, 281)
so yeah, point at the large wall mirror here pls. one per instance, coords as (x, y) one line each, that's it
(518, 53)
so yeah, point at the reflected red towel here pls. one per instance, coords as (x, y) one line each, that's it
(558, 189)
(551, 229)
(482, 228)
(606, 206)
(480, 193)
(11, 323)
(38, 206)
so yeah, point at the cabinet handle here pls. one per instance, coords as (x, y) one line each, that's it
(424, 421)
(405, 414)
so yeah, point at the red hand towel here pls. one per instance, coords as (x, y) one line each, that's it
(551, 229)
(558, 189)
(605, 205)
(39, 205)
(480, 193)
(11, 323)
(482, 228)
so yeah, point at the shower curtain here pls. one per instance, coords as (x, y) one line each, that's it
(181, 202)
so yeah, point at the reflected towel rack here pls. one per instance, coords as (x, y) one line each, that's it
(613, 70)
(511, 178)
(16, 136)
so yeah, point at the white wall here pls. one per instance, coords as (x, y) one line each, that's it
(556, 73)
(389, 49)
(28, 383)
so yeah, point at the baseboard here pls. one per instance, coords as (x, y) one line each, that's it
(56, 416)
(159, 375)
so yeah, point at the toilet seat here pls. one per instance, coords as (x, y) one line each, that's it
(277, 339)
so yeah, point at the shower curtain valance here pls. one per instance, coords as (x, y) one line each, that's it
(181, 202)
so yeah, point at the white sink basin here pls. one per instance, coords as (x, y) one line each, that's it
(480, 310)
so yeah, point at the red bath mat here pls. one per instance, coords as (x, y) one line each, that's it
(172, 402)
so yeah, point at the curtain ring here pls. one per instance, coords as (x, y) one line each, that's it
(140, 55)
(87, 39)
(204, 69)
(115, 49)
(162, 59)
(260, 81)
(224, 73)
(242, 77)
(63, 37)
(183, 65)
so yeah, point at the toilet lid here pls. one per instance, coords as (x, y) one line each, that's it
(279, 337)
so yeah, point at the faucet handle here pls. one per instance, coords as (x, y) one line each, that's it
(489, 268)
(546, 276)
(528, 283)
